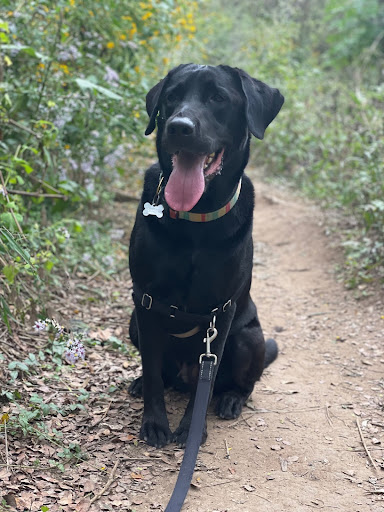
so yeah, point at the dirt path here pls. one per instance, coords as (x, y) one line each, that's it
(296, 446)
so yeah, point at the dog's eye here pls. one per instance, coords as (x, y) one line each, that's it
(171, 97)
(217, 97)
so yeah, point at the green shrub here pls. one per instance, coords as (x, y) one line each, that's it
(73, 79)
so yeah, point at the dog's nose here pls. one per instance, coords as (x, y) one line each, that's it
(181, 126)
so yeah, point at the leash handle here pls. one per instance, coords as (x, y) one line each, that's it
(194, 436)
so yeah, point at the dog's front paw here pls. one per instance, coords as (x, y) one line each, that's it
(180, 435)
(155, 433)
(136, 387)
(229, 405)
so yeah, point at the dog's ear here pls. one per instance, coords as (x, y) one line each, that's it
(153, 98)
(263, 103)
(152, 104)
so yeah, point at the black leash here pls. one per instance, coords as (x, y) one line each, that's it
(195, 435)
(207, 363)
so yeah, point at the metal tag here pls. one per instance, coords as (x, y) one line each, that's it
(152, 209)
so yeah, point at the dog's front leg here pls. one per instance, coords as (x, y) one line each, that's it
(153, 341)
(223, 324)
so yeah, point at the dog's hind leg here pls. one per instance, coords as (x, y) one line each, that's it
(242, 365)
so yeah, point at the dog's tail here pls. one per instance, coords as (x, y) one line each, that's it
(271, 351)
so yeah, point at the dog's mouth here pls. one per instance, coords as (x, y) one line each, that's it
(190, 172)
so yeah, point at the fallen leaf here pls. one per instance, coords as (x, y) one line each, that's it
(83, 505)
(136, 476)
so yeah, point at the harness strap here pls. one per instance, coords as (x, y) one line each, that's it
(194, 437)
(187, 334)
(151, 303)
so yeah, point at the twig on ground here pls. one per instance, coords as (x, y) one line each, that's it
(226, 449)
(220, 483)
(95, 423)
(6, 443)
(139, 459)
(20, 466)
(110, 481)
(327, 406)
(365, 446)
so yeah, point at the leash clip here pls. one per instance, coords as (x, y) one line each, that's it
(211, 336)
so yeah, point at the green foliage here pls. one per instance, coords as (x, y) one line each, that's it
(352, 27)
(73, 79)
(327, 59)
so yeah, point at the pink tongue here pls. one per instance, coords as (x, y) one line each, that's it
(186, 183)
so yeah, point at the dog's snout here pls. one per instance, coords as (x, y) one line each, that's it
(181, 126)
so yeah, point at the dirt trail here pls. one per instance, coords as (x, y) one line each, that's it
(296, 447)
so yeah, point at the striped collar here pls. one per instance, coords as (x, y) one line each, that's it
(206, 217)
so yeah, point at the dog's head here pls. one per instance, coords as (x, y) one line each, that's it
(205, 116)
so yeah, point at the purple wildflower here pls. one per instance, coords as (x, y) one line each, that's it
(40, 325)
(75, 350)
(111, 76)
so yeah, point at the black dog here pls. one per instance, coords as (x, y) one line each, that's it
(191, 247)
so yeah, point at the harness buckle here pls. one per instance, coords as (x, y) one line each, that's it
(146, 301)
(172, 314)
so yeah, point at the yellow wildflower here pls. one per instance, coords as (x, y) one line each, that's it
(127, 18)
(192, 28)
(67, 146)
(133, 30)
(165, 61)
(110, 45)
(137, 114)
(123, 37)
(45, 8)
(146, 15)
(10, 13)
(91, 13)
(41, 65)
(156, 32)
(178, 38)
(137, 69)
(72, 2)
(183, 21)
(64, 68)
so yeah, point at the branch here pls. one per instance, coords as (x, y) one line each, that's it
(107, 485)
(37, 194)
(365, 446)
(22, 127)
(12, 213)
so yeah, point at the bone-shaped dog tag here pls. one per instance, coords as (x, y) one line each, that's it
(152, 209)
